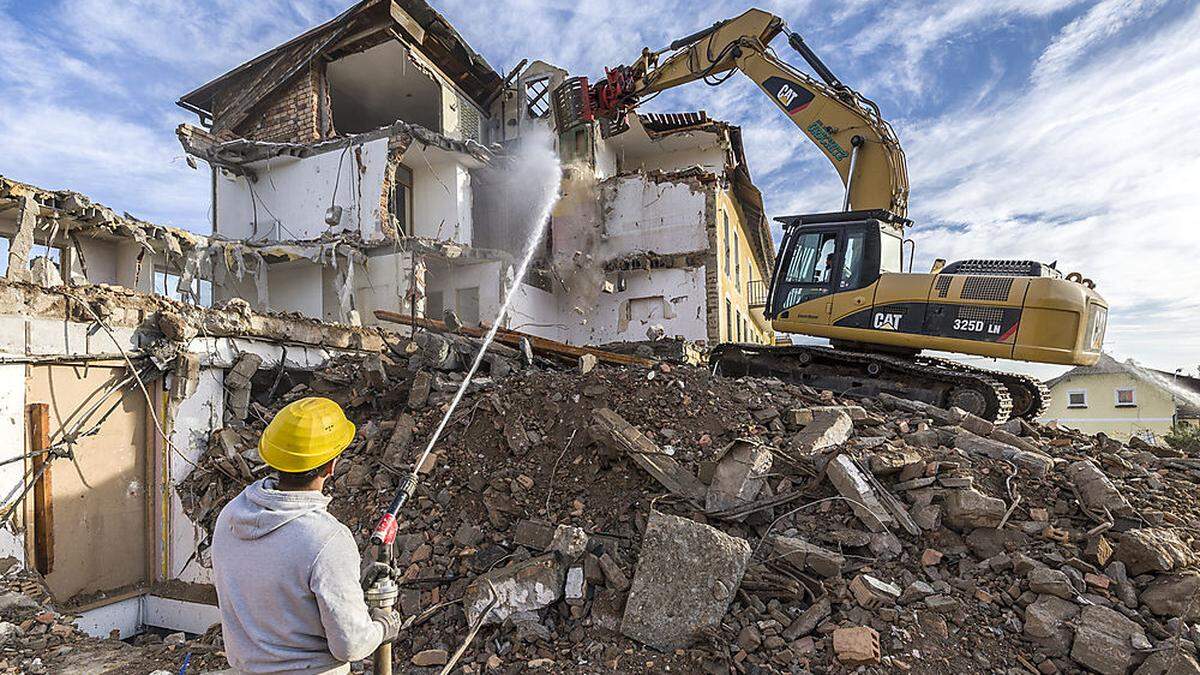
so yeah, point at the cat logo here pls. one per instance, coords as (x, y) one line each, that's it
(887, 321)
(786, 95)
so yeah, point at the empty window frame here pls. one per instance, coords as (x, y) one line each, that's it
(726, 218)
(537, 98)
(728, 320)
(166, 284)
(402, 200)
(466, 305)
(737, 262)
(1125, 397)
(1077, 398)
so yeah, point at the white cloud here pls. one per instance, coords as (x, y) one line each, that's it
(1088, 167)
(1104, 20)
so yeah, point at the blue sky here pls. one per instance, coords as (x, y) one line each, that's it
(1046, 129)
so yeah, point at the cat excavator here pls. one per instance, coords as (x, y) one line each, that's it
(842, 275)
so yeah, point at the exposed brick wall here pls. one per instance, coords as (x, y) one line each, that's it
(712, 276)
(296, 113)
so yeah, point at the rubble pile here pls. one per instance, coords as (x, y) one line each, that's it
(644, 519)
(37, 638)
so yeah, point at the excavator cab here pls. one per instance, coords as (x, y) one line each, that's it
(826, 254)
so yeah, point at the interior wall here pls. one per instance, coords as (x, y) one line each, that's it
(671, 298)
(100, 502)
(298, 192)
(448, 279)
(380, 85)
(296, 286)
(441, 195)
(641, 214)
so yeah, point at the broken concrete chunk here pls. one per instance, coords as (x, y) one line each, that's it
(418, 394)
(853, 485)
(569, 541)
(828, 429)
(808, 557)
(175, 327)
(889, 462)
(969, 508)
(22, 241)
(856, 646)
(395, 453)
(1035, 462)
(1048, 624)
(1153, 549)
(1003, 436)
(809, 619)
(670, 603)
(614, 576)
(526, 586)
(739, 475)
(243, 369)
(856, 412)
(1105, 640)
(1169, 662)
(1174, 596)
(1097, 491)
(976, 425)
(623, 437)
(1044, 580)
(587, 363)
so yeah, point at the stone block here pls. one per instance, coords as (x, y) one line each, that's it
(1048, 624)
(853, 485)
(1153, 549)
(970, 508)
(1105, 640)
(808, 557)
(1096, 490)
(1176, 595)
(671, 602)
(739, 475)
(526, 586)
(828, 429)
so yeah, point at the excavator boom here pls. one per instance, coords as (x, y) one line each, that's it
(845, 126)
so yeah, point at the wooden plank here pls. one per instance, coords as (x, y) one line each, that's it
(513, 338)
(43, 504)
(647, 455)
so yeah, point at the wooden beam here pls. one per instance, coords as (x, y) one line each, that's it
(561, 350)
(43, 504)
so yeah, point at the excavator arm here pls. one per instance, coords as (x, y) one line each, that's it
(844, 125)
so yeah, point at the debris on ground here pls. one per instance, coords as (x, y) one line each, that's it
(634, 518)
(35, 637)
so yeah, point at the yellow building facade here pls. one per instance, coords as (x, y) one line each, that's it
(740, 276)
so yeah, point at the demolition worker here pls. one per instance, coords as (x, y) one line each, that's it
(286, 571)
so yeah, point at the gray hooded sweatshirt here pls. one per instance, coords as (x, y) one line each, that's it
(287, 578)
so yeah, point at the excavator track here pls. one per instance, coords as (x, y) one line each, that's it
(991, 395)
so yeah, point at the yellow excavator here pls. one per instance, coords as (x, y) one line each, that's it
(842, 275)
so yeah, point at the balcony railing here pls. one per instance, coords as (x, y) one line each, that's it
(756, 294)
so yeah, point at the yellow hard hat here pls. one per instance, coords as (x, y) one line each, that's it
(305, 434)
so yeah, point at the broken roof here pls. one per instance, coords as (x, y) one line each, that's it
(413, 20)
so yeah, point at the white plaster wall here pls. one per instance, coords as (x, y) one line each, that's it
(125, 617)
(486, 276)
(196, 418)
(12, 428)
(671, 153)
(441, 195)
(298, 193)
(101, 258)
(672, 298)
(382, 283)
(643, 215)
(296, 286)
(535, 311)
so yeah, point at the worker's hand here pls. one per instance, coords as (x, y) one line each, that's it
(390, 619)
(375, 571)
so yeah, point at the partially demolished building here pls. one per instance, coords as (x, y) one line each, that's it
(368, 156)
(359, 167)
